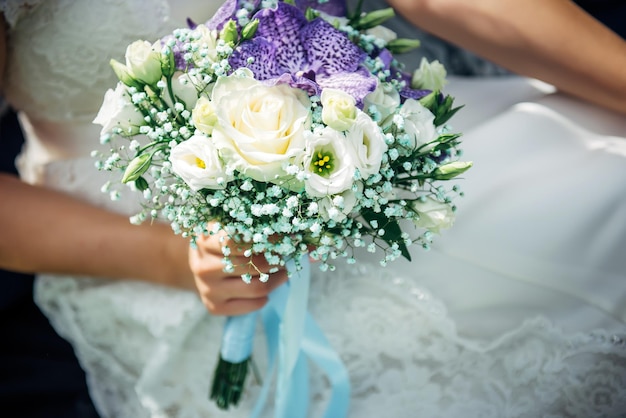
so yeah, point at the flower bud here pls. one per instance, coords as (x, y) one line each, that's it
(229, 32)
(374, 18)
(249, 30)
(137, 167)
(203, 115)
(168, 63)
(402, 45)
(338, 109)
(432, 214)
(122, 73)
(144, 62)
(451, 170)
(430, 76)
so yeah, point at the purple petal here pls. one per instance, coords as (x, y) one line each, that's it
(299, 82)
(329, 50)
(223, 15)
(281, 27)
(332, 7)
(358, 84)
(408, 93)
(386, 57)
(262, 52)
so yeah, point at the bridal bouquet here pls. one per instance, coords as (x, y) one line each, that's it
(290, 126)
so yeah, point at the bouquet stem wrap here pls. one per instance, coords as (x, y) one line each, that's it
(293, 337)
(232, 368)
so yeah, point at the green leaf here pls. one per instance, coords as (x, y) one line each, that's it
(393, 233)
(141, 184)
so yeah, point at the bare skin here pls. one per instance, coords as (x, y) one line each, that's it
(552, 40)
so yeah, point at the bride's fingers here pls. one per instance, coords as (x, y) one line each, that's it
(222, 297)
(238, 306)
(235, 288)
(215, 242)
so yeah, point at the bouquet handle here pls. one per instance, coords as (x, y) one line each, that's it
(232, 368)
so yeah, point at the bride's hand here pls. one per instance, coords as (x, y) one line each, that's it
(226, 293)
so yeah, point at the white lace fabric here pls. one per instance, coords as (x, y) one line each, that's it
(150, 352)
(496, 322)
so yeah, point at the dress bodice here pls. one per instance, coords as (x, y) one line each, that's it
(59, 51)
(58, 66)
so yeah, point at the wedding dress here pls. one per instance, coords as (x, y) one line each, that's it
(518, 311)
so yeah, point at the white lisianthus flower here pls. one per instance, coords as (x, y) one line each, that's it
(329, 163)
(143, 60)
(430, 75)
(419, 123)
(328, 209)
(184, 89)
(385, 99)
(259, 127)
(338, 109)
(369, 144)
(383, 33)
(207, 42)
(197, 162)
(433, 214)
(203, 115)
(118, 111)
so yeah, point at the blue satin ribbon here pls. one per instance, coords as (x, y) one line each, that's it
(238, 337)
(294, 338)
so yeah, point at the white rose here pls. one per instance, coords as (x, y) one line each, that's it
(383, 33)
(118, 111)
(430, 75)
(385, 99)
(203, 115)
(329, 162)
(197, 162)
(338, 109)
(259, 128)
(143, 60)
(433, 215)
(419, 124)
(369, 144)
(185, 91)
(329, 209)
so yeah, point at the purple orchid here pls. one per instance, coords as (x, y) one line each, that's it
(314, 55)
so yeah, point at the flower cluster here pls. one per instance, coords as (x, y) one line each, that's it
(289, 126)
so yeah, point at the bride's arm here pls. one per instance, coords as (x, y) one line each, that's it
(552, 40)
(47, 231)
